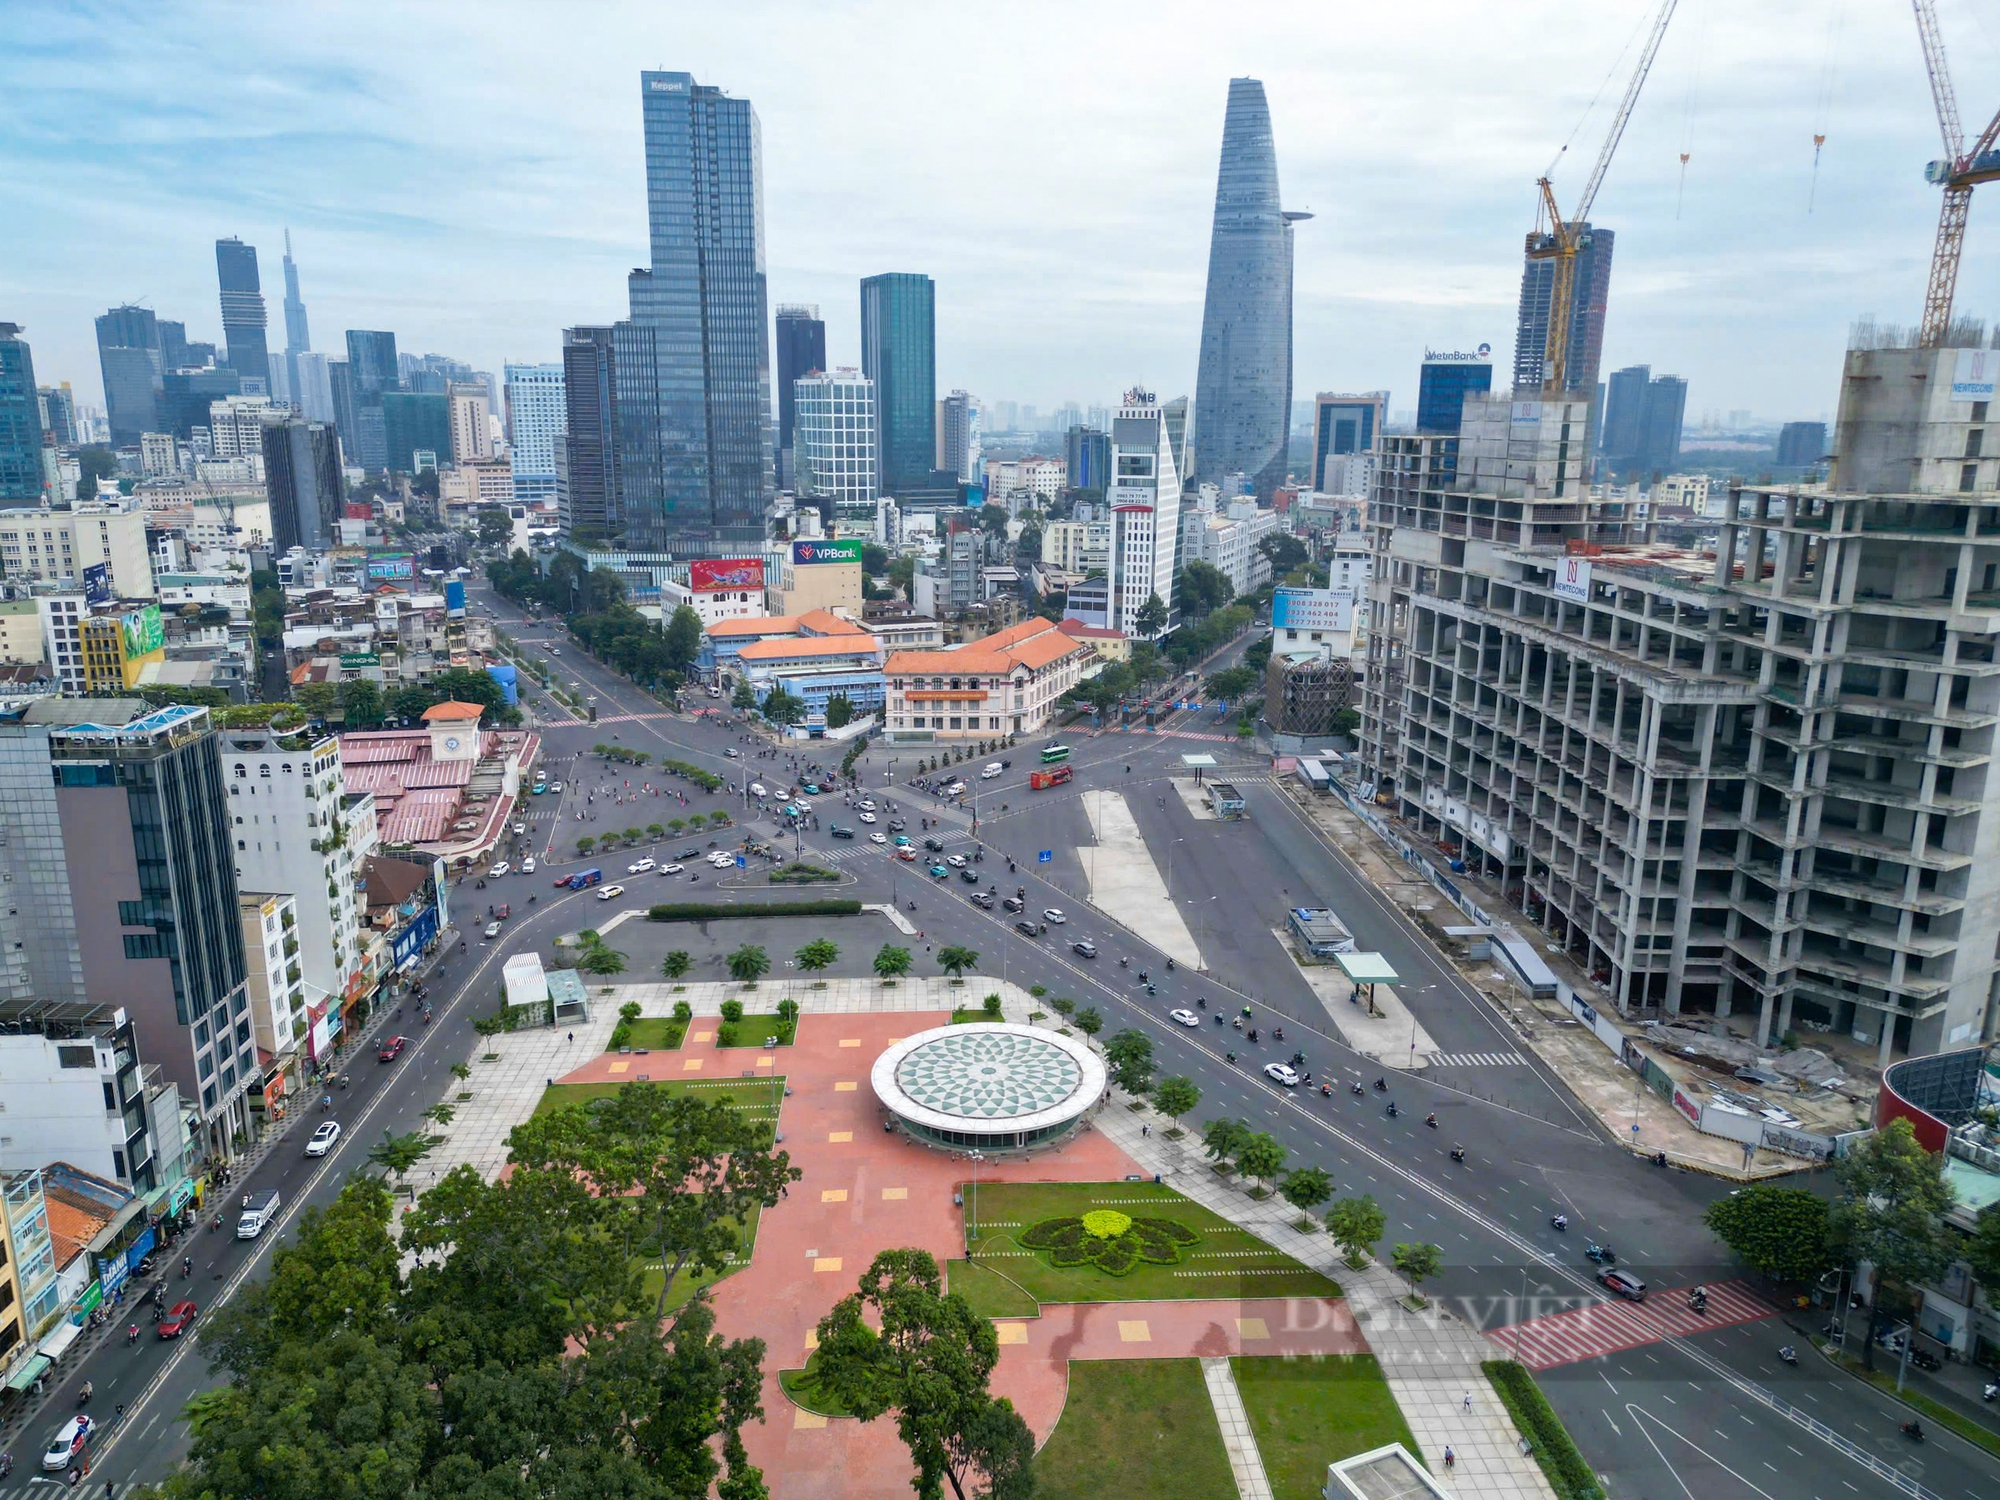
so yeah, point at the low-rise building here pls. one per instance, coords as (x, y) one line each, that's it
(278, 1017)
(75, 1090)
(1006, 683)
(447, 789)
(1077, 546)
(69, 546)
(1110, 645)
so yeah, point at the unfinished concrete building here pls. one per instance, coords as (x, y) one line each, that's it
(1753, 780)
(1304, 695)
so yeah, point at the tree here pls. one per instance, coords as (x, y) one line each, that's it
(1284, 552)
(781, 707)
(1223, 1139)
(743, 698)
(1889, 1209)
(399, 1153)
(819, 954)
(732, 1010)
(683, 639)
(839, 711)
(1231, 682)
(495, 527)
(1130, 1054)
(1356, 1224)
(1780, 1232)
(955, 960)
(1063, 1007)
(597, 958)
(585, 844)
(1261, 1158)
(1152, 616)
(1983, 1252)
(930, 1364)
(1174, 1096)
(1306, 1188)
(1204, 588)
(874, 559)
(319, 700)
(788, 1010)
(1088, 1021)
(749, 963)
(1417, 1263)
(891, 962)
(360, 703)
(993, 519)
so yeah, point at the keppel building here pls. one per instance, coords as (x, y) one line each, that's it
(1243, 388)
(899, 353)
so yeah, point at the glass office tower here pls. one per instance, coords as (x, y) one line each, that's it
(243, 317)
(899, 353)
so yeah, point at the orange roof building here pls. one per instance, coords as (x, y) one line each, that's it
(452, 712)
(1005, 683)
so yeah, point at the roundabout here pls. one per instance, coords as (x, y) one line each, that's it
(990, 1086)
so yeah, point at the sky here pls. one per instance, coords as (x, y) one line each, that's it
(471, 176)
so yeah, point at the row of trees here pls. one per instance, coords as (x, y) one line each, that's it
(360, 703)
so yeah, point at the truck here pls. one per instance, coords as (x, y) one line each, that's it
(259, 1209)
(583, 878)
(1041, 780)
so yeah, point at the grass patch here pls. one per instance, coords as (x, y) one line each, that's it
(966, 1016)
(654, 1275)
(716, 911)
(1313, 1411)
(656, 1033)
(752, 1029)
(804, 1388)
(1139, 1427)
(989, 1291)
(804, 874)
(1944, 1416)
(1227, 1262)
(1564, 1468)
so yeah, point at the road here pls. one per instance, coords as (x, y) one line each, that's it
(1666, 1417)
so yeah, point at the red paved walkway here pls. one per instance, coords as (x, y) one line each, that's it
(1607, 1327)
(864, 1191)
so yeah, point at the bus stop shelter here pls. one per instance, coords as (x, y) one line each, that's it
(1364, 971)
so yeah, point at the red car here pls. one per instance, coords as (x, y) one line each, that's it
(176, 1322)
(392, 1048)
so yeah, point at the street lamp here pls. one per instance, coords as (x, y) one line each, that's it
(972, 1244)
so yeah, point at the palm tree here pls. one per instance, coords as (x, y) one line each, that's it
(749, 963)
(892, 962)
(676, 964)
(399, 1153)
(596, 958)
(955, 960)
(816, 955)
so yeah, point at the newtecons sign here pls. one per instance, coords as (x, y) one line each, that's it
(807, 554)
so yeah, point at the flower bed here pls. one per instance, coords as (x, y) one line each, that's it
(1111, 1241)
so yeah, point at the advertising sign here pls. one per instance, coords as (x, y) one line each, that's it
(1573, 580)
(81, 1310)
(410, 942)
(113, 1272)
(97, 583)
(144, 633)
(806, 554)
(1482, 355)
(1312, 609)
(730, 573)
(389, 567)
(1974, 380)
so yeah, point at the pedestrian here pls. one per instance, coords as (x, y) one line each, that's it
(572, 1038)
(1145, 1130)
(1450, 1458)
(1468, 1401)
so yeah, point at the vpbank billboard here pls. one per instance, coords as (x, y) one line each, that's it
(810, 554)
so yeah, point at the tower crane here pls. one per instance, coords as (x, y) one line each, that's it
(1959, 172)
(1557, 238)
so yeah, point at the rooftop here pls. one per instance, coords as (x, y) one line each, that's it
(452, 712)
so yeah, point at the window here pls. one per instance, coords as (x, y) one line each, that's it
(1968, 477)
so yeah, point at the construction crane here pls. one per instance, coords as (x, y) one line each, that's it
(1959, 172)
(1556, 238)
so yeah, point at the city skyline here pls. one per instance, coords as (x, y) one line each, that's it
(1029, 317)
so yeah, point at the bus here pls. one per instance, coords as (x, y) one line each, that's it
(1053, 753)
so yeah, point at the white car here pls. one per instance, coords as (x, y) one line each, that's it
(1184, 1018)
(757, 789)
(956, 789)
(732, 753)
(1054, 916)
(866, 804)
(1280, 1073)
(991, 769)
(323, 1139)
(672, 869)
(64, 1446)
(878, 838)
(956, 861)
(723, 861)
(867, 817)
(528, 865)
(640, 866)
(498, 870)
(610, 891)
(555, 786)
(519, 829)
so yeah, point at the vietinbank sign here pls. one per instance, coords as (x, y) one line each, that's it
(809, 554)
(1458, 357)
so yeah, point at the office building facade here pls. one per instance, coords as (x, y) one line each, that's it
(302, 478)
(587, 451)
(1801, 444)
(128, 354)
(1087, 461)
(372, 372)
(1344, 424)
(834, 439)
(415, 422)
(243, 316)
(471, 413)
(1444, 381)
(535, 417)
(313, 393)
(899, 353)
(22, 475)
(801, 351)
(1590, 296)
(59, 416)
(958, 441)
(1145, 504)
(1642, 422)
(1243, 386)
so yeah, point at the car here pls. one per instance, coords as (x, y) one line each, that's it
(177, 1320)
(1184, 1018)
(957, 861)
(956, 789)
(982, 899)
(906, 853)
(991, 769)
(878, 838)
(1281, 1073)
(1084, 948)
(673, 869)
(1054, 916)
(1014, 903)
(757, 789)
(939, 872)
(811, 789)
(323, 1139)
(640, 866)
(867, 817)
(610, 892)
(697, 852)
(519, 829)
(492, 931)
(68, 1442)
(933, 845)
(969, 876)
(392, 1049)
(498, 870)
(721, 861)
(866, 804)
(528, 865)
(555, 786)
(902, 841)
(731, 753)
(1026, 928)
(839, 832)
(897, 825)
(1623, 1283)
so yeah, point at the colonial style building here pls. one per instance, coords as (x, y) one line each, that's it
(1006, 683)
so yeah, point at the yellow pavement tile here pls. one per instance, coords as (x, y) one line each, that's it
(894, 1195)
(766, 1060)
(704, 1036)
(1252, 1328)
(619, 1067)
(1134, 1331)
(832, 1263)
(839, 1195)
(850, 1041)
(806, 1421)
(1011, 1333)
(812, 1339)
(691, 1065)
(846, 1088)
(893, 1040)
(839, 1137)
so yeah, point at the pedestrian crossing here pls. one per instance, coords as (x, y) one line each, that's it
(1476, 1060)
(1609, 1327)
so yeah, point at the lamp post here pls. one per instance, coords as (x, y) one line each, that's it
(972, 1241)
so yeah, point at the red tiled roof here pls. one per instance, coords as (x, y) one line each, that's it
(808, 645)
(452, 712)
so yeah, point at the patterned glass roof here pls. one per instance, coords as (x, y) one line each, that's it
(980, 1074)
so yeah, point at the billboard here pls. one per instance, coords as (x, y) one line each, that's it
(389, 567)
(97, 583)
(729, 573)
(1974, 380)
(144, 632)
(1573, 580)
(810, 553)
(1312, 609)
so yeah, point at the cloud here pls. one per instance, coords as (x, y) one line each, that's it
(472, 176)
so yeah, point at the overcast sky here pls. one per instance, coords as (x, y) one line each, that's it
(470, 175)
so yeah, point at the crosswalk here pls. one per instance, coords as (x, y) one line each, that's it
(1477, 1060)
(1608, 1327)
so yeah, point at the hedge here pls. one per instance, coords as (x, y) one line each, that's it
(714, 911)
(1568, 1475)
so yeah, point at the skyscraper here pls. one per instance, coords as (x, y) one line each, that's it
(1624, 420)
(59, 413)
(1087, 461)
(1642, 422)
(1443, 383)
(1801, 444)
(128, 353)
(21, 471)
(1343, 425)
(835, 438)
(958, 436)
(302, 475)
(297, 338)
(587, 454)
(1243, 387)
(694, 363)
(1590, 292)
(313, 395)
(801, 350)
(899, 353)
(534, 421)
(243, 314)
(371, 371)
(415, 422)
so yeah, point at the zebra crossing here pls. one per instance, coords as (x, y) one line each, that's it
(1608, 1327)
(1476, 1060)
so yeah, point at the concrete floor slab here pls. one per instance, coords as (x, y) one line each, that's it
(1393, 1037)
(1126, 885)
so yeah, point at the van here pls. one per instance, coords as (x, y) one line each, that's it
(259, 1209)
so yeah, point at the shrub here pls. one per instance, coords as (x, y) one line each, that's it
(725, 1034)
(629, 1011)
(683, 1012)
(1106, 1223)
(713, 911)
(1568, 1475)
(991, 1005)
(732, 1011)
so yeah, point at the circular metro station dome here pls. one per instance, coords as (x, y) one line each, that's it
(990, 1085)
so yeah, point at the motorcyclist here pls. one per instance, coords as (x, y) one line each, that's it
(1392, 1109)
(1560, 1221)
(1458, 1153)
(1431, 1120)
(1789, 1355)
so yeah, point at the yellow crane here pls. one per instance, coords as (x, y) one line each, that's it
(1958, 173)
(1557, 238)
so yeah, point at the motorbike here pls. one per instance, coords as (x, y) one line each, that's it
(1432, 1121)
(1170, 966)
(1277, 1033)
(1151, 990)
(1992, 1390)
(1218, 1020)
(1251, 1033)
(1393, 1111)
(1789, 1355)
(1913, 1430)
(1237, 1023)
(1600, 1254)
(1229, 1057)
(1458, 1153)
(1201, 1002)
(1326, 1091)
(1381, 1085)
(1559, 1222)
(1356, 1089)
(85, 1393)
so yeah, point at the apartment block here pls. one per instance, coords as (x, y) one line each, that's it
(58, 546)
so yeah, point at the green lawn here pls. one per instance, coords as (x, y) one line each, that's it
(1135, 1427)
(752, 1029)
(657, 1033)
(1312, 1411)
(964, 1017)
(990, 1293)
(803, 1387)
(688, 1285)
(1228, 1262)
